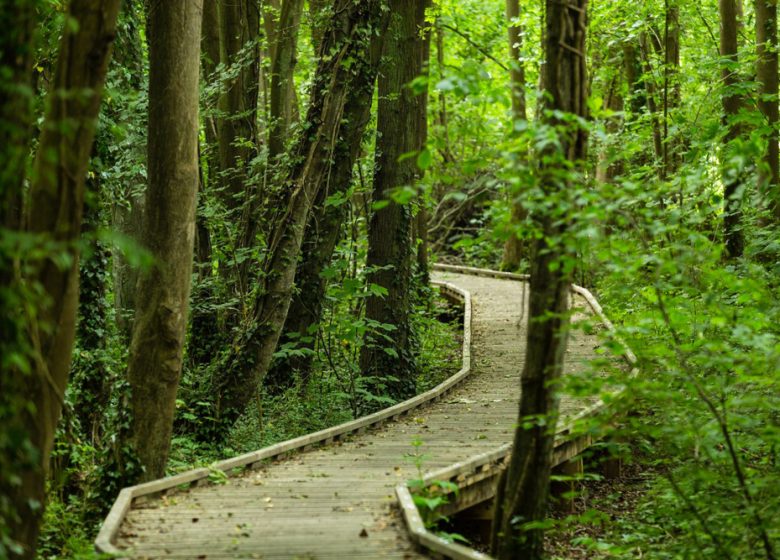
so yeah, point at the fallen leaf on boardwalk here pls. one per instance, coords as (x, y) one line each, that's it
(364, 533)
(267, 499)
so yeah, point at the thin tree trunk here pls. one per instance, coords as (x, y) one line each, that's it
(526, 484)
(443, 117)
(731, 101)
(127, 213)
(652, 101)
(17, 47)
(283, 94)
(421, 220)
(55, 210)
(90, 399)
(513, 248)
(239, 27)
(390, 227)
(210, 59)
(238, 136)
(766, 74)
(349, 37)
(16, 97)
(155, 361)
(671, 94)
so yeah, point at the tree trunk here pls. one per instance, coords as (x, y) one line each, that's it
(90, 399)
(766, 74)
(732, 101)
(349, 37)
(442, 113)
(390, 227)
(318, 15)
(283, 94)
(17, 47)
(127, 212)
(16, 97)
(322, 234)
(155, 361)
(652, 100)
(239, 27)
(672, 147)
(526, 484)
(210, 59)
(55, 210)
(513, 248)
(421, 220)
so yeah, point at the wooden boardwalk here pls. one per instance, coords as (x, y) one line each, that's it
(338, 501)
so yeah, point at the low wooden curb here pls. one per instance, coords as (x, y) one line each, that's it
(490, 463)
(104, 542)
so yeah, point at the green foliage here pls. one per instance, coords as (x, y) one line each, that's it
(431, 495)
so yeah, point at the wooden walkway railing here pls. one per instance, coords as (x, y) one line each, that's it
(187, 516)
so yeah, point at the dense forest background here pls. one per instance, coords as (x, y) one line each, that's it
(219, 237)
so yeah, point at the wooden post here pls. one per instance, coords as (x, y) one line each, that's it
(562, 491)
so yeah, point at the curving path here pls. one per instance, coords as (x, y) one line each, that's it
(337, 501)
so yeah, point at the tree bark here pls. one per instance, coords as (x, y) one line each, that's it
(154, 365)
(421, 108)
(652, 101)
(16, 97)
(731, 101)
(283, 94)
(323, 231)
(349, 37)
(54, 212)
(239, 27)
(390, 228)
(672, 147)
(513, 248)
(526, 484)
(766, 74)
(91, 396)
(127, 212)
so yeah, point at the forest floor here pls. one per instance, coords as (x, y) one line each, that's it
(603, 510)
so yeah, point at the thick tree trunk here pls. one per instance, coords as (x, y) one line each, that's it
(318, 17)
(632, 70)
(283, 95)
(390, 228)
(766, 74)
(155, 361)
(349, 37)
(732, 101)
(526, 484)
(55, 211)
(513, 248)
